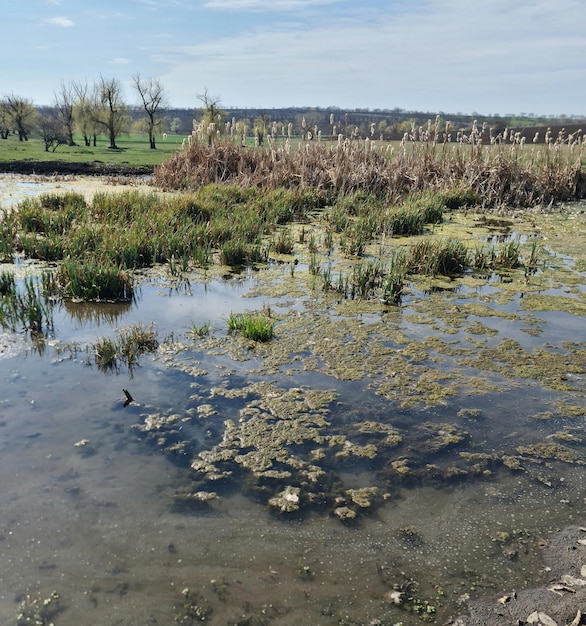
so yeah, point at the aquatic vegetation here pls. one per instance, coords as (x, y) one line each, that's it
(131, 343)
(200, 330)
(256, 327)
(92, 280)
(436, 256)
(284, 242)
(25, 307)
(105, 351)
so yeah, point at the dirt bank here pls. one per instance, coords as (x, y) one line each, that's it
(52, 168)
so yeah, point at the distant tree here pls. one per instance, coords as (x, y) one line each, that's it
(153, 99)
(108, 110)
(139, 127)
(82, 113)
(4, 120)
(63, 103)
(53, 131)
(22, 115)
(175, 125)
(212, 116)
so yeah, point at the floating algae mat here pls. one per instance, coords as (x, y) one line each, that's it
(369, 464)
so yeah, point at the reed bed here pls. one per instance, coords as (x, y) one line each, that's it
(101, 243)
(498, 175)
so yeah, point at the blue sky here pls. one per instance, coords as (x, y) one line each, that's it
(484, 56)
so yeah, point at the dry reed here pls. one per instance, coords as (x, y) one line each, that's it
(500, 174)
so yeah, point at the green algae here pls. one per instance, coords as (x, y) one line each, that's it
(549, 450)
(450, 339)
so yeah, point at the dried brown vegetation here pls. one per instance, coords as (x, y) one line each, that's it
(501, 174)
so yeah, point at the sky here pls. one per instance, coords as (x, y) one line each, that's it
(450, 56)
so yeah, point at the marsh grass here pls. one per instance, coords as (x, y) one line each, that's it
(430, 257)
(105, 353)
(92, 280)
(130, 344)
(501, 174)
(256, 327)
(26, 307)
(102, 241)
(284, 242)
(200, 330)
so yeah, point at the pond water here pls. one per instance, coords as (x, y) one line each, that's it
(482, 398)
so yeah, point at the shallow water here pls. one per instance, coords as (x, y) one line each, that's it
(100, 523)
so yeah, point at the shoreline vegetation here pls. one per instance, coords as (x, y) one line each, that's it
(236, 206)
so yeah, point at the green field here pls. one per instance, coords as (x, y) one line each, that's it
(133, 151)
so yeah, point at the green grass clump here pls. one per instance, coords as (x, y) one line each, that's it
(92, 280)
(284, 242)
(448, 257)
(105, 353)
(252, 326)
(136, 341)
(200, 330)
(131, 343)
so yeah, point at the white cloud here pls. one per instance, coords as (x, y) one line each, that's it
(119, 61)
(504, 56)
(65, 22)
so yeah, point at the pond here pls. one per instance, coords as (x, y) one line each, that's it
(369, 465)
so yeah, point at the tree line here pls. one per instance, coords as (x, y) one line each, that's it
(86, 110)
(99, 109)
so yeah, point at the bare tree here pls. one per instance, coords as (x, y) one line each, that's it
(108, 110)
(213, 114)
(63, 103)
(22, 114)
(4, 120)
(153, 99)
(82, 113)
(53, 132)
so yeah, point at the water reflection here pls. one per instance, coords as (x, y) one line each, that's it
(95, 313)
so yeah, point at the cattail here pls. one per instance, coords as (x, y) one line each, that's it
(289, 130)
(536, 137)
(331, 119)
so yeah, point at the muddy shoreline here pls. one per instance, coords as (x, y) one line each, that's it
(54, 168)
(562, 598)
